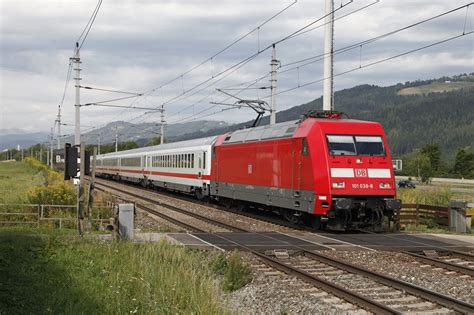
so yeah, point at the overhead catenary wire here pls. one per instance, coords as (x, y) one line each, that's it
(185, 94)
(238, 65)
(180, 76)
(376, 38)
(378, 61)
(109, 90)
(353, 69)
(85, 32)
(211, 58)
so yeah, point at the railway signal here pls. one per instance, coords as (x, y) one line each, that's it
(71, 165)
(70, 161)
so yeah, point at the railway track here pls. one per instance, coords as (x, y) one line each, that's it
(447, 260)
(370, 290)
(451, 260)
(249, 213)
(184, 225)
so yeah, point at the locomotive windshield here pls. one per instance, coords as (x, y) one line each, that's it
(355, 145)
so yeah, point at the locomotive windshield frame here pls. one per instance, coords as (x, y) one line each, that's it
(355, 145)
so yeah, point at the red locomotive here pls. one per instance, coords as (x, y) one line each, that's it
(333, 173)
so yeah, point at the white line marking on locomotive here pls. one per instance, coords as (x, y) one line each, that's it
(342, 172)
(379, 173)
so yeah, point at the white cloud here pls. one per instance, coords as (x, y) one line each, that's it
(139, 45)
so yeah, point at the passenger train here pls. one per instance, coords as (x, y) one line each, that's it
(330, 172)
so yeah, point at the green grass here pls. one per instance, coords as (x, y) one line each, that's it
(54, 272)
(435, 196)
(436, 87)
(16, 178)
(234, 272)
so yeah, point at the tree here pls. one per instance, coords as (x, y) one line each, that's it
(418, 164)
(154, 141)
(464, 163)
(127, 145)
(433, 152)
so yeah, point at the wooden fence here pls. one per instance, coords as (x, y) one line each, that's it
(36, 214)
(416, 214)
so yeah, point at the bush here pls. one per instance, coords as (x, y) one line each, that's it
(56, 194)
(434, 196)
(50, 175)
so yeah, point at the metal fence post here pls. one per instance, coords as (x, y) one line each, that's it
(417, 214)
(457, 216)
(39, 215)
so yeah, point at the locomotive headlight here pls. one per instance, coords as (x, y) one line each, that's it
(338, 185)
(385, 186)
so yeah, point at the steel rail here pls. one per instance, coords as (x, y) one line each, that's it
(459, 254)
(177, 209)
(337, 290)
(441, 299)
(162, 215)
(251, 215)
(442, 264)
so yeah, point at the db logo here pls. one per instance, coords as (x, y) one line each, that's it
(361, 172)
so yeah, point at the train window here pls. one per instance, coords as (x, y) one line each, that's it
(131, 161)
(192, 160)
(369, 145)
(341, 145)
(304, 148)
(204, 160)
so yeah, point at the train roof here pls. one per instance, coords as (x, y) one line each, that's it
(166, 146)
(286, 129)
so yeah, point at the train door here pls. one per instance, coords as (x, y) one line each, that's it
(201, 163)
(302, 174)
(296, 169)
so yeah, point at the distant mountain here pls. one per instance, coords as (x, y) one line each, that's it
(144, 132)
(410, 121)
(11, 138)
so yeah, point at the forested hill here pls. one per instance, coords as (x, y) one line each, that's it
(410, 121)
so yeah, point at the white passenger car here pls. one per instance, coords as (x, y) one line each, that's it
(183, 166)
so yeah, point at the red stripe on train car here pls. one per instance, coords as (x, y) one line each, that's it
(180, 175)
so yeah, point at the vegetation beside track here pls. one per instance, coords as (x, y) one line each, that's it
(33, 182)
(435, 196)
(16, 178)
(51, 271)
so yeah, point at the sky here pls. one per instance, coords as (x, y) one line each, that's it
(138, 46)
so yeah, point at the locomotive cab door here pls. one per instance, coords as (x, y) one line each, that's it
(296, 169)
(301, 175)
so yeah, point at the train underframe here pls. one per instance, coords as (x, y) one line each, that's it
(355, 213)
